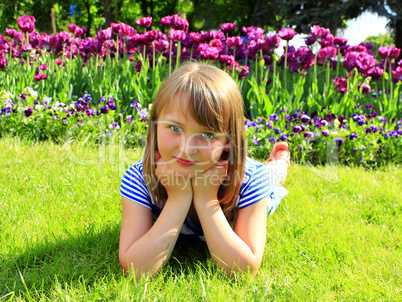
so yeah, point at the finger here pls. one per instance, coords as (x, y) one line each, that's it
(157, 156)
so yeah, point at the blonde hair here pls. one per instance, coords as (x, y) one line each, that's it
(214, 101)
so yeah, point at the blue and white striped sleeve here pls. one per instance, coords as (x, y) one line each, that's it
(257, 185)
(133, 186)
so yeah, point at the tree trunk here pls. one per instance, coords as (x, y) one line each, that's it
(398, 36)
(89, 24)
(108, 13)
(53, 20)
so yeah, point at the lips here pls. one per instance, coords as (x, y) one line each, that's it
(185, 162)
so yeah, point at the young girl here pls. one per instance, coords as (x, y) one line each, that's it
(196, 179)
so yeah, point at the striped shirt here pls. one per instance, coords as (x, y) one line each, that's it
(256, 186)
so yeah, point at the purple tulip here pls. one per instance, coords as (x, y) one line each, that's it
(227, 27)
(26, 23)
(388, 52)
(144, 22)
(310, 40)
(374, 73)
(305, 57)
(319, 32)
(338, 40)
(286, 33)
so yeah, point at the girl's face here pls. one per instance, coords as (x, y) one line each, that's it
(186, 146)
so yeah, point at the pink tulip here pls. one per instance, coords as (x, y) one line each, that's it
(126, 31)
(208, 52)
(397, 74)
(364, 87)
(341, 84)
(10, 32)
(244, 71)
(388, 52)
(40, 76)
(319, 32)
(115, 28)
(286, 34)
(144, 22)
(104, 34)
(176, 35)
(26, 23)
(327, 53)
(233, 42)
(3, 61)
(227, 60)
(226, 27)
(161, 45)
(271, 42)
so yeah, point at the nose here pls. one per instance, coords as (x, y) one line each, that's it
(188, 146)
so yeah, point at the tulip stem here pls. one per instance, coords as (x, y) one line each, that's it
(170, 57)
(178, 54)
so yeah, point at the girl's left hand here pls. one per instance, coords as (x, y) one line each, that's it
(207, 183)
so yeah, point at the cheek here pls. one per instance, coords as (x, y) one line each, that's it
(215, 151)
(166, 141)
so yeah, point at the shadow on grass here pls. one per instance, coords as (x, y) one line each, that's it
(80, 261)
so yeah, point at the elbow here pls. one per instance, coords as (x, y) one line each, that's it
(249, 268)
(135, 270)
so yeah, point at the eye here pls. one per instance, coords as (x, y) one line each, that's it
(208, 135)
(175, 128)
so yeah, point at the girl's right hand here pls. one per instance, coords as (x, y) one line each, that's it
(174, 183)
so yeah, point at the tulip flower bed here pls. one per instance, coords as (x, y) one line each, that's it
(329, 100)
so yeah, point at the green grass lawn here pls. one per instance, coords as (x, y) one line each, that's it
(336, 236)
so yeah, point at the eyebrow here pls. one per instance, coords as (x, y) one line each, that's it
(170, 120)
